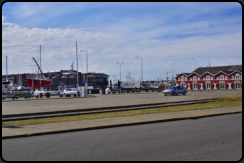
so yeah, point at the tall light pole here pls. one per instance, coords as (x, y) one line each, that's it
(77, 68)
(195, 62)
(6, 68)
(120, 69)
(141, 70)
(32, 76)
(86, 70)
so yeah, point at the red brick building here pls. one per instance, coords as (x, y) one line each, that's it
(208, 78)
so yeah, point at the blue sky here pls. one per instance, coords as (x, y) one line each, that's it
(165, 35)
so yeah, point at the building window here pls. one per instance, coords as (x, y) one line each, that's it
(63, 76)
(208, 86)
(221, 77)
(203, 78)
(178, 78)
(207, 77)
(237, 76)
(72, 76)
(211, 78)
(185, 78)
(195, 86)
(198, 78)
(190, 78)
(222, 85)
(194, 78)
(237, 85)
(217, 78)
(225, 78)
(232, 77)
(182, 78)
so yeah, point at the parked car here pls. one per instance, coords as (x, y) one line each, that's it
(22, 88)
(14, 89)
(175, 91)
(69, 91)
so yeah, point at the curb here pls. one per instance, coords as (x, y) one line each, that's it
(117, 125)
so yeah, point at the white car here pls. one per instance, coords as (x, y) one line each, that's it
(68, 92)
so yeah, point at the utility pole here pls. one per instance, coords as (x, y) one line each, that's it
(128, 76)
(167, 76)
(77, 65)
(173, 74)
(40, 67)
(6, 68)
(120, 69)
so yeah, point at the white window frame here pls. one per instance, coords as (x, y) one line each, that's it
(226, 78)
(237, 75)
(208, 77)
(208, 85)
(211, 78)
(194, 78)
(190, 78)
(203, 78)
(237, 85)
(194, 86)
(178, 78)
(232, 77)
(217, 78)
(182, 78)
(198, 78)
(185, 78)
(220, 84)
(221, 77)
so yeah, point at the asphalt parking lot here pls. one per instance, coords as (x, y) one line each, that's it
(34, 105)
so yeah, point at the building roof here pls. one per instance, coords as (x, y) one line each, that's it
(215, 70)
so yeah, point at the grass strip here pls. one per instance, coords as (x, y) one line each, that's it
(221, 102)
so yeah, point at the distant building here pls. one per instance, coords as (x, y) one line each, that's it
(207, 78)
(62, 78)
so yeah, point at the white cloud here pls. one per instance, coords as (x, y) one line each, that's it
(162, 45)
(3, 18)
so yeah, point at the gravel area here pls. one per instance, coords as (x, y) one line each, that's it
(34, 105)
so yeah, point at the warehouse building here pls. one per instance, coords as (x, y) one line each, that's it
(62, 78)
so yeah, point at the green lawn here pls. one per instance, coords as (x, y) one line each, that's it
(221, 102)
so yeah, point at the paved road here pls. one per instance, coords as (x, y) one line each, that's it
(212, 138)
(45, 105)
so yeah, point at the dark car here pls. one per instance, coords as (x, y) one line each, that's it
(175, 90)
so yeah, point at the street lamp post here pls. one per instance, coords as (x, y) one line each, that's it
(77, 71)
(195, 62)
(120, 73)
(120, 69)
(32, 76)
(141, 70)
(86, 70)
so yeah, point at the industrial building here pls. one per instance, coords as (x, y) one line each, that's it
(62, 78)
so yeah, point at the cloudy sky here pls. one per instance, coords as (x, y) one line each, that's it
(165, 35)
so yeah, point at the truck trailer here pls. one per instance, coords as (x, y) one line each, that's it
(130, 85)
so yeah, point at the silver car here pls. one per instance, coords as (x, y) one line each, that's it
(175, 90)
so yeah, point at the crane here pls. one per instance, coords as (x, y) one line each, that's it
(172, 73)
(167, 74)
